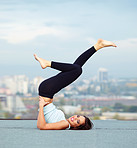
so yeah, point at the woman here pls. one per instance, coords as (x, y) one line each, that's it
(49, 117)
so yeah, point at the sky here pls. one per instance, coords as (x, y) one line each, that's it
(60, 30)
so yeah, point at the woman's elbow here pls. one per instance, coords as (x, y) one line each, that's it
(40, 127)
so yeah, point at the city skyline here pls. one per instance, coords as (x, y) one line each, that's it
(93, 76)
(62, 30)
(22, 84)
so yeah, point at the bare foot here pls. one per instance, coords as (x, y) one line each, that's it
(103, 43)
(44, 63)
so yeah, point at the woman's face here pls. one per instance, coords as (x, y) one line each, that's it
(76, 120)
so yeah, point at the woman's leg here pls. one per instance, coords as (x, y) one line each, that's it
(81, 60)
(51, 86)
(70, 72)
(56, 65)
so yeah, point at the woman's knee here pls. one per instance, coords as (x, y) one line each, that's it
(78, 69)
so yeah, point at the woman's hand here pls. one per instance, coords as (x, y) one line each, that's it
(42, 103)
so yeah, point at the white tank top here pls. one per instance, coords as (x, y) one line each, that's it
(52, 114)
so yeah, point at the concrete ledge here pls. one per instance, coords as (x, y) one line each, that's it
(105, 134)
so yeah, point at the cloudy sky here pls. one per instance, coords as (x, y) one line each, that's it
(60, 30)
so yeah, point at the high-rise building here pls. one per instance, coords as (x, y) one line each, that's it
(21, 84)
(34, 84)
(102, 75)
(16, 84)
(12, 104)
(9, 83)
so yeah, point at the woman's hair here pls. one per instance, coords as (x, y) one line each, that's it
(88, 125)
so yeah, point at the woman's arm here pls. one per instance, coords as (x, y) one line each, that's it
(41, 123)
(41, 119)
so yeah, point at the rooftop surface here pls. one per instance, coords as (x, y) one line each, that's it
(105, 134)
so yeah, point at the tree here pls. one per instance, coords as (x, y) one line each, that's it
(133, 109)
(118, 107)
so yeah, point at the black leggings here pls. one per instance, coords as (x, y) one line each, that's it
(69, 73)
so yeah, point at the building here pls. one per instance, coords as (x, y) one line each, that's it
(21, 82)
(102, 75)
(8, 83)
(12, 104)
(34, 84)
(16, 84)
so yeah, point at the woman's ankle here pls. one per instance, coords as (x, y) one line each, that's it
(96, 46)
(49, 63)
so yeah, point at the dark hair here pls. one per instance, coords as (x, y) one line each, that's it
(88, 125)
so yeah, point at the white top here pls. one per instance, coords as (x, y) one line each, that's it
(52, 114)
